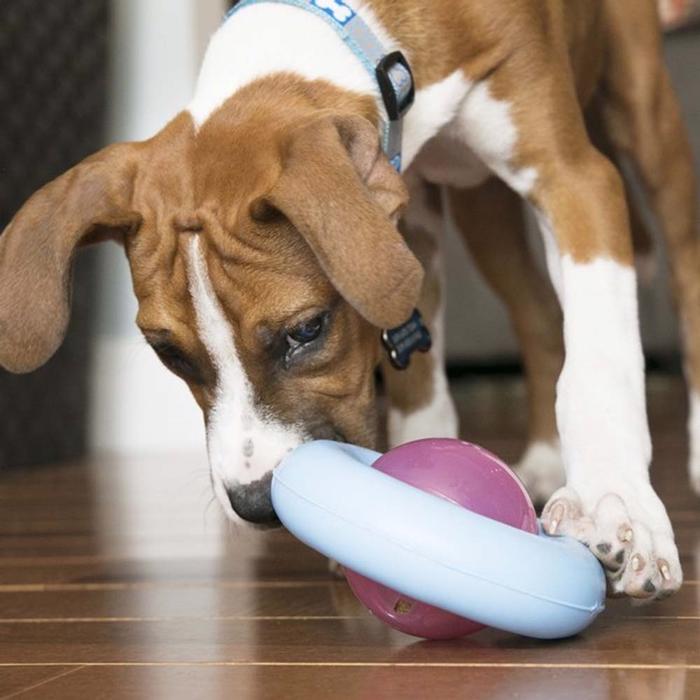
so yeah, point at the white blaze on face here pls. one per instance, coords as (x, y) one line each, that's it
(243, 442)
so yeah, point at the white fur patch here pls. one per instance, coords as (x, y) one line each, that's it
(435, 106)
(260, 40)
(601, 407)
(244, 444)
(490, 131)
(473, 135)
(694, 434)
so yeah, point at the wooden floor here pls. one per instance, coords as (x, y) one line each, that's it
(118, 580)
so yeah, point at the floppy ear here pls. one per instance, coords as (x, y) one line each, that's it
(340, 192)
(89, 202)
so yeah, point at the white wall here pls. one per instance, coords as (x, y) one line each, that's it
(137, 406)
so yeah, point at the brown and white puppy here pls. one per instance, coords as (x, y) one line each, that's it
(260, 226)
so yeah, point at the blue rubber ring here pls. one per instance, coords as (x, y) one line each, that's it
(433, 550)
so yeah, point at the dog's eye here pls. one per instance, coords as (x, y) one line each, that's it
(175, 360)
(305, 338)
(306, 332)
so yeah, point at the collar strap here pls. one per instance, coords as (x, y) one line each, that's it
(390, 70)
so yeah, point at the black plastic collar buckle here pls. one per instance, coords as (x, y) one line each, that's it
(401, 342)
(396, 107)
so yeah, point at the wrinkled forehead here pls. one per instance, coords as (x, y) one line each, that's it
(219, 168)
(260, 275)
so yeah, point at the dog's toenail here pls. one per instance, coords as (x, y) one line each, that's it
(665, 570)
(649, 587)
(620, 556)
(638, 562)
(604, 548)
(625, 533)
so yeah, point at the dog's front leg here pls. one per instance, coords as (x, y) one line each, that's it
(608, 501)
(537, 143)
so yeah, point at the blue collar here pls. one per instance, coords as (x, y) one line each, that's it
(390, 70)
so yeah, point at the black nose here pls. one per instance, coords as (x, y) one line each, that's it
(253, 502)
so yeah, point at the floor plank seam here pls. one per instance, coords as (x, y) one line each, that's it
(208, 618)
(46, 681)
(353, 664)
(144, 585)
(263, 618)
(59, 587)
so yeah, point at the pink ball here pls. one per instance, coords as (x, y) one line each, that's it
(467, 475)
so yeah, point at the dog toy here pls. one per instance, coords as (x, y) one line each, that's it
(448, 525)
(462, 473)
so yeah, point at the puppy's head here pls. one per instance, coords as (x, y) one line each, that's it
(264, 257)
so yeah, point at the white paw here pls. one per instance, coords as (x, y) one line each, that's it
(437, 419)
(628, 530)
(541, 469)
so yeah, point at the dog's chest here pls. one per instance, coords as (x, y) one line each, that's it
(447, 160)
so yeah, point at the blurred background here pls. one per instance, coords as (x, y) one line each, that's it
(77, 74)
